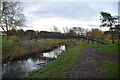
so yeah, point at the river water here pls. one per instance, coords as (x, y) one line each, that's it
(23, 68)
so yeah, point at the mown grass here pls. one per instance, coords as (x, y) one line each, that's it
(58, 67)
(112, 49)
(110, 69)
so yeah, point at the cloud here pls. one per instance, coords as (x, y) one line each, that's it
(74, 10)
(43, 15)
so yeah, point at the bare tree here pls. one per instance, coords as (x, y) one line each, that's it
(65, 29)
(55, 29)
(79, 30)
(11, 16)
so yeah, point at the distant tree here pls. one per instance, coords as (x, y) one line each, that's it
(97, 33)
(71, 32)
(86, 32)
(30, 32)
(79, 30)
(65, 29)
(55, 29)
(37, 32)
(20, 33)
(11, 16)
(109, 21)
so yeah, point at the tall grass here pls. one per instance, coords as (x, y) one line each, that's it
(26, 48)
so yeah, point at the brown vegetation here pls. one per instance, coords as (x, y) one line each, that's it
(24, 49)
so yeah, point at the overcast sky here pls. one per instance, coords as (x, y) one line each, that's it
(43, 15)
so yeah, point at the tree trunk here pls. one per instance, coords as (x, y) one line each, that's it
(7, 34)
(112, 37)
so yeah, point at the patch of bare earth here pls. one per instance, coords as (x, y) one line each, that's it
(88, 67)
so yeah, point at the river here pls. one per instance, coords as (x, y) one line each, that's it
(23, 68)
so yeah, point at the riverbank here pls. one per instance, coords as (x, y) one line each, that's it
(13, 49)
(59, 67)
(78, 61)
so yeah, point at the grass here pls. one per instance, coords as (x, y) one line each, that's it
(110, 69)
(112, 49)
(58, 67)
(8, 43)
(58, 40)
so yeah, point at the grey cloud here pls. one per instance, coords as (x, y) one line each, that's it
(70, 10)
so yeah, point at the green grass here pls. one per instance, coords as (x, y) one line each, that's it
(110, 69)
(58, 67)
(57, 40)
(8, 43)
(112, 49)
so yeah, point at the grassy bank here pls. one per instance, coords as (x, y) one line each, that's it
(58, 67)
(13, 50)
(110, 69)
(112, 49)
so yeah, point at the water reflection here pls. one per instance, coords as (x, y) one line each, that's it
(55, 53)
(21, 69)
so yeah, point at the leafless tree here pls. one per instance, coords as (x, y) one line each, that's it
(66, 29)
(79, 30)
(55, 29)
(11, 16)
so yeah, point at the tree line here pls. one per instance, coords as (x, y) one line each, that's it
(75, 31)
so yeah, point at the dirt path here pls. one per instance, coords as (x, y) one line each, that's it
(88, 68)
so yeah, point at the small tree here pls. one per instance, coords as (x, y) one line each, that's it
(108, 21)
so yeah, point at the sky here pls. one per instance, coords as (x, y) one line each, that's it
(43, 16)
